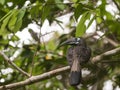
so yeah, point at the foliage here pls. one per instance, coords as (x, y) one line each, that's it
(39, 56)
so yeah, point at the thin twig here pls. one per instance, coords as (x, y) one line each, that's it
(46, 33)
(13, 64)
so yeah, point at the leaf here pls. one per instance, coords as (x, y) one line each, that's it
(81, 9)
(45, 13)
(5, 22)
(13, 20)
(16, 20)
(5, 19)
(4, 42)
(19, 19)
(81, 28)
(51, 45)
(109, 16)
(114, 26)
(17, 26)
(34, 12)
(9, 13)
(14, 38)
(61, 6)
(21, 14)
(2, 2)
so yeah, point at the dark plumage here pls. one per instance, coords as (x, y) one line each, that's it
(77, 54)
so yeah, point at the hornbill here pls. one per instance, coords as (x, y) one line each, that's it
(77, 54)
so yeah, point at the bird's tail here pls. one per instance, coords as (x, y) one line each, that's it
(75, 74)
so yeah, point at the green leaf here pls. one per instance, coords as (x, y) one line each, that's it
(19, 19)
(16, 20)
(21, 14)
(5, 22)
(5, 19)
(34, 12)
(51, 45)
(4, 42)
(45, 13)
(17, 26)
(114, 26)
(9, 13)
(13, 20)
(15, 38)
(81, 28)
(80, 9)
(61, 6)
(99, 20)
(2, 2)
(109, 16)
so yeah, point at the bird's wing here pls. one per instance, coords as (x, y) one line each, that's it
(69, 55)
(83, 54)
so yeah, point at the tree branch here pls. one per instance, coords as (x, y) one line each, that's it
(108, 53)
(52, 73)
(34, 79)
(12, 64)
(111, 41)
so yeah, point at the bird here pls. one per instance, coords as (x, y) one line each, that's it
(77, 54)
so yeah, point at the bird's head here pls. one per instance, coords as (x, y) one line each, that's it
(74, 41)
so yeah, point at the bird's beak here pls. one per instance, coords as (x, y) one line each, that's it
(71, 41)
